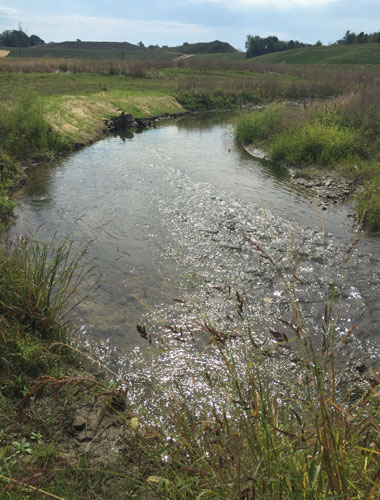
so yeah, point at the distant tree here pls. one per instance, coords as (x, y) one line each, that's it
(318, 43)
(140, 44)
(374, 37)
(14, 38)
(35, 40)
(257, 46)
(78, 40)
(351, 38)
(348, 39)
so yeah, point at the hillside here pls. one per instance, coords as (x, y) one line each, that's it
(333, 54)
(91, 46)
(215, 47)
(121, 50)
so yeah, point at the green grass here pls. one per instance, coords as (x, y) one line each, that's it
(316, 144)
(362, 54)
(38, 283)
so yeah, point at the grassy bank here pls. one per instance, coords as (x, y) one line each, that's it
(342, 136)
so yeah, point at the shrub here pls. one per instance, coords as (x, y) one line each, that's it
(259, 126)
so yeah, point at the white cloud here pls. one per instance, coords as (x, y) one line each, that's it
(69, 27)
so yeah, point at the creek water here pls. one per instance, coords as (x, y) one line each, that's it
(184, 225)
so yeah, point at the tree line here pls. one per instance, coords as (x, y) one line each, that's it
(17, 38)
(350, 38)
(258, 46)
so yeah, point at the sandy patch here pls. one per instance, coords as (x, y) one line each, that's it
(4, 53)
(184, 56)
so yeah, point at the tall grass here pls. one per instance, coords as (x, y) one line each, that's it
(24, 130)
(39, 285)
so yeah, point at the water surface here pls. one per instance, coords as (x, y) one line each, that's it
(174, 214)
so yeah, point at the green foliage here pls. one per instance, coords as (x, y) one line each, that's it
(17, 38)
(38, 283)
(9, 175)
(259, 125)
(343, 135)
(352, 38)
(315, 143)
(258, 46)
(22, 447)
(24, 130)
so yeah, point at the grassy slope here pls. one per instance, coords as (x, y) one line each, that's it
(334, 54)
(76, 104)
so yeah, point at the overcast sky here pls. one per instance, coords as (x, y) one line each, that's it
(173, 22)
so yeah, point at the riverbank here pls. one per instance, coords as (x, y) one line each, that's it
(325, 187)
(316, 141)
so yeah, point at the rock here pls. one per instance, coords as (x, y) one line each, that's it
(124, 121)
(79, 423)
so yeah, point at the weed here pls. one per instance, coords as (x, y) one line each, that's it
(36, 436)
(22, 447)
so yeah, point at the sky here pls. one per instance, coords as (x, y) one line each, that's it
(174, 22)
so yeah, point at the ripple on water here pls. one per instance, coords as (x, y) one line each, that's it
(243, 268)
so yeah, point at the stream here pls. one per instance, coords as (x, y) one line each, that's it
(188, 229)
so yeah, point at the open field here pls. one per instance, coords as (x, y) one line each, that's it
(92, 54)
(362, 54)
